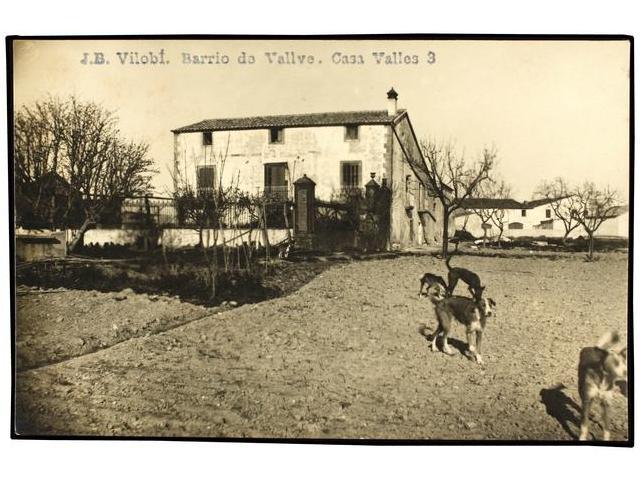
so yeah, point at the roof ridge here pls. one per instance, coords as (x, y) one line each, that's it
(289, 120)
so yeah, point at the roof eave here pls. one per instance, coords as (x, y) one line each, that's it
(267, 127)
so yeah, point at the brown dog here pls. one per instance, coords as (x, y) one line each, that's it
(471, 313)
(467, 276)
(429, 279)
(599, 370)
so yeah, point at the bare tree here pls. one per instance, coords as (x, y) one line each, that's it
(79, 143)
(562, 201)
(594, 206)
(493, 190)
(452, 179)
(484, 192)
(37, 159)
(204, 208)
(502, 190)
(212, 209)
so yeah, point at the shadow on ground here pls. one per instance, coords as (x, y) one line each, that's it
(453, 342)
(563, 408)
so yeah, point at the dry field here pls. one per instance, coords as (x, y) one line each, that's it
(344, 357)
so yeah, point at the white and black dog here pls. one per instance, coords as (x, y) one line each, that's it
(471, 313)
(599, 370)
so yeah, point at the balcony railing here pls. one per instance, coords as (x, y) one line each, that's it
(351, 191)
(280, 192)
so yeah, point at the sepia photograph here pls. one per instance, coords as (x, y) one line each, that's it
(367, 239)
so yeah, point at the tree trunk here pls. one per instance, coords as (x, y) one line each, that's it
(285, 209)
(78, 239)
(445, 234)
(265, 233)
(591, 242)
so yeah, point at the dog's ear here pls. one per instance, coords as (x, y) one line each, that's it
(492, 302)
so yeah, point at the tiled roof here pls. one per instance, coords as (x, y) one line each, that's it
(491, 203)
(537, 202)
(616, 211)
(368, 117)
(620, 209)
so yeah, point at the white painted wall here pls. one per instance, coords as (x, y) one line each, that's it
(614, 227)
(314, 151)
(183, 237)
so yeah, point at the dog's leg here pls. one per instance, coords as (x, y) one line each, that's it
(445, 345)
(584, 423)
(479, 347)
(471, 344)
(434, 347)
(446, 328)
(606, 434)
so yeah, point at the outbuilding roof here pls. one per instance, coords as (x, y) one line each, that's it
(491, 203)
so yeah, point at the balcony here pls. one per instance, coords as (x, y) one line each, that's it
(348, 192)
(277, 192)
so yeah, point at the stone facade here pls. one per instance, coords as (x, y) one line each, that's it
(384, 150)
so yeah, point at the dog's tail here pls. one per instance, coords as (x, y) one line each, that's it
(446, 262)
(608, 340)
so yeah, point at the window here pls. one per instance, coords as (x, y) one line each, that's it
(546, 225)
(351, 132)
(524, 213)
(350, 175)
(516, 226)
(206, 179)
(548, 213)
(207, 138)
(276, 135)
(275, 180)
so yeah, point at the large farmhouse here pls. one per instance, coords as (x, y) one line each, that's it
(534, 218)
(339, 151)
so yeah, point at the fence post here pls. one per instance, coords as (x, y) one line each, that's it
(371, 192)
(383, 209)
(305, 213)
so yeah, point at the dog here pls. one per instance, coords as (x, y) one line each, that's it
(285, 249)
(599, 370)
(430, 280)
(467, 276)
(471, 313)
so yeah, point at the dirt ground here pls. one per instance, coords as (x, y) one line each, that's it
(344, 357)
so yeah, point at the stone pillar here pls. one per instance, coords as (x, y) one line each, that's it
(371, 192)
(304, 228)
(383, 208)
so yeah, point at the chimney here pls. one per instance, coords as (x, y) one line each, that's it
(392, 102)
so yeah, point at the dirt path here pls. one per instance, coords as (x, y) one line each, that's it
(344, 357)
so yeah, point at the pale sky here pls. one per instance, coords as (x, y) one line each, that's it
(550, 108)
